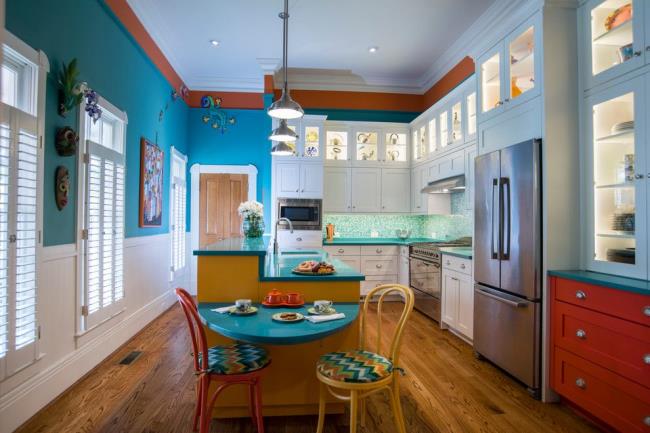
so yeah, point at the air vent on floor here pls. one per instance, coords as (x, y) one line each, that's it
(128, 359)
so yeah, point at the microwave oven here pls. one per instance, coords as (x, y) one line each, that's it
(304, 214)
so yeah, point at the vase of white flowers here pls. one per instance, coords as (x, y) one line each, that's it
(252, 213)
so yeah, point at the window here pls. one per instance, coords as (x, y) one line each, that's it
(177, 214)
(21, 180)
(103, 216)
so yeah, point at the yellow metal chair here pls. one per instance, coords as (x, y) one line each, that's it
(362, 372)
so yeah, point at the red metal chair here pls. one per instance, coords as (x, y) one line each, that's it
(235, 364)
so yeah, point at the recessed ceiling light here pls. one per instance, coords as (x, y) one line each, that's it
(373, 50)
(215, 43)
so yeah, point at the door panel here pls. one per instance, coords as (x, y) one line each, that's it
(311, 181)
(395, 183)
(519, 188)
(506, 332)
(336, 197)
(486, 220)
(219, 198)
(288, 180)
(366, 184)
(465, 319)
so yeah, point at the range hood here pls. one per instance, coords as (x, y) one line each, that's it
(447, 185)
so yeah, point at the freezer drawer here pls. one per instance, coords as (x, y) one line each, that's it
(507, 332)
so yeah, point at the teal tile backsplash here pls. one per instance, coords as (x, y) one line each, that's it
(438, 226)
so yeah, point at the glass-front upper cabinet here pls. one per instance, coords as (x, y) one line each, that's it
(618, 240)
(614, 37)
(366, 145)
(336, 145)
(443, 120)
(470, 103)
(396, 147)
(423, 140)
(490, 81)
(309, 142)
(457, 122)
(433, 135)
(312, 141)
(522, 63)
(415, 145)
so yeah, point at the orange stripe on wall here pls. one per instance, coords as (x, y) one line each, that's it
(268, 84)
(446, 84)
(229, 99)
(128, 18)
(332, 99)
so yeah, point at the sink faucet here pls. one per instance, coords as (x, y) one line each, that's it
(275, 237)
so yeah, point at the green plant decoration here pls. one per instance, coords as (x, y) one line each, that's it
(70, 90)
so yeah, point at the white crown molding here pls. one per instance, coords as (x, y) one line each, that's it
(269, 65)
(343, 80)
(226, 84)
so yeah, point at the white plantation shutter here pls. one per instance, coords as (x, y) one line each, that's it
(178, 215)
(20, 197)
(104, 233)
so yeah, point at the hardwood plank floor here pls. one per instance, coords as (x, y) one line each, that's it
(445, 389)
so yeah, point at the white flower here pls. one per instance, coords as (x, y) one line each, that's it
(251, 208)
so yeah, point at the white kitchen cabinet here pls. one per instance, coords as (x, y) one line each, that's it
(367, 144)
(518, 124)
(458, 295)
(509, 73)
(418, 181)
(338, 148)
(470, 155)
(379, 263)
(394, 183)
(337, 190)
(366, 190)
(309, 145)
(610, 52)
(450, 165)
(403, 274)
(300, 239)
(470, 114)
(298, 179)
(351, 261)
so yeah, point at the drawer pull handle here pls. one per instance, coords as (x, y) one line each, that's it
(462, 265)
(378, 266)
(646, 311)
(646, 359)
(646, 421)
(580, 333)
(379, 250)
(299, 239)
(580, 383)
(341, 250)
(448, 263)
(581, 295)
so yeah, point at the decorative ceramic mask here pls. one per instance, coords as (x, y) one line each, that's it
(62, 186)
(66, 141)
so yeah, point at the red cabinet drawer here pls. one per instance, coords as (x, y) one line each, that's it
(616, 344)
(619, 303)
(623, 404)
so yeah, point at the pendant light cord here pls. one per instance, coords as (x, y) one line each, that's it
(285, 42)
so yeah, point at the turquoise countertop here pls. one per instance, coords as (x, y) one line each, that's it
(260, 328)
(615, 282)
(463, 252)
(377, 241)
(277, 267)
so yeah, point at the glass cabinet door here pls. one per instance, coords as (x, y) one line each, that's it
(367, 146)
(415, 145)
(521, 50)
(470, 102)
(457, 122)
(443, 119)
(311, 140)
(614, 29)
(490, 82)
(618, 205)
(433, 135)
(336, 145)
(396, 147)
(423, 143)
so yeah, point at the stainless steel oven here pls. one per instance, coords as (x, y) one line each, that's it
(425, 278)
(304, 214)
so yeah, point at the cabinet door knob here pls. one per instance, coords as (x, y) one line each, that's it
(379, 250)
(647, 48)
(302, 190)
(580, 333)
(646, 310)
(299, 239)
(498, 104)
(379, 266)
(646, 359)
(297, 189)
(637, 53)
(448, 263)
(341, 250)
(581, 295)
(462, 265)
(507, 100)
(639, 176)
(580, 383)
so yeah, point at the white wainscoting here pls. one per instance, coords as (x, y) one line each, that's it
(66, 357)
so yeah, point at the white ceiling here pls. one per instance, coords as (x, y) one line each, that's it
(328, 40)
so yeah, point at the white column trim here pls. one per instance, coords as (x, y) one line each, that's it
(195, 182)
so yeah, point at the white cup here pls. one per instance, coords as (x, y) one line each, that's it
(322, 305)
(243, 305)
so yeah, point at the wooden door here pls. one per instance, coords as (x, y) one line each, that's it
(220, 196)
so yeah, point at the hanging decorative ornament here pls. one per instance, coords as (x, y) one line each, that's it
(66, 141)
(92, 105)
(218, 118)
(61, 186)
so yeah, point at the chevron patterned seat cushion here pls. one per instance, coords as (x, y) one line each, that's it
(236, 359)
(359, 366)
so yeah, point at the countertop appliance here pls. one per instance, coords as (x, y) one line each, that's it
(305, 214)
(507, 261)
(425, 274)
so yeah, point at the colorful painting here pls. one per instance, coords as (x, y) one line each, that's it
(152, 160)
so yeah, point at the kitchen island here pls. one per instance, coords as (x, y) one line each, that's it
(244, 268)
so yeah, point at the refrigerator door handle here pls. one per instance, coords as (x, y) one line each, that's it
(494, 249)
(505, 240)
(504, 300)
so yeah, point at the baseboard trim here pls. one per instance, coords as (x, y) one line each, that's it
(23, 402)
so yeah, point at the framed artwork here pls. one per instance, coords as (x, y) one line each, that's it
(152, 160)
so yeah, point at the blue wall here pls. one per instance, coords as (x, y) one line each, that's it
(244, 143)
(116, 67)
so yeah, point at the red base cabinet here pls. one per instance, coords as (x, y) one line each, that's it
(600, 352)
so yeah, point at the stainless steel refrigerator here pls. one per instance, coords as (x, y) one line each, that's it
(507, 261)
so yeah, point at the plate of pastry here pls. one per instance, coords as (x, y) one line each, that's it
(312, 267)
(287, 317)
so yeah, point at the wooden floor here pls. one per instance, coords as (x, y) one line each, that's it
(445, 390)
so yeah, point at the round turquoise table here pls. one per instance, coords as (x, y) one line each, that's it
(260, 328)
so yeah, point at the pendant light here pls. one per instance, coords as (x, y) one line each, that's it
(281, 148)
(283, 133)
(285, 107)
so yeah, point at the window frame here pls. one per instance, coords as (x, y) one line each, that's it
(83, 324)
(176, 274)
(16, 361)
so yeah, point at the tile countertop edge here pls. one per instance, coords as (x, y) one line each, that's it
(606, 280)
(462, 252)
(376, 241)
